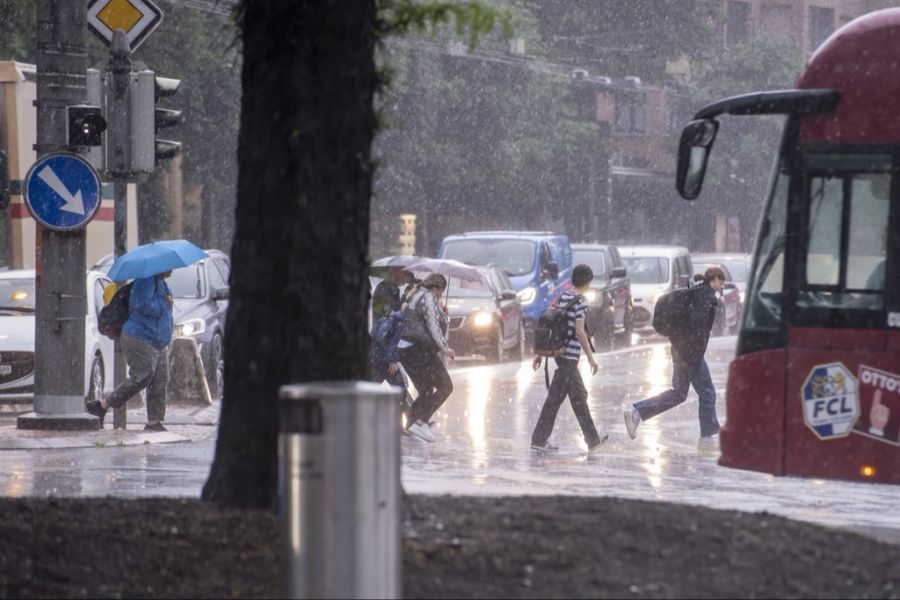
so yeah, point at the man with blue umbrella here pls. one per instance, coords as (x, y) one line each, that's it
(147, 332)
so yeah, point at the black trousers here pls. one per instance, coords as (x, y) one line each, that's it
(566, 382)
(431, 379)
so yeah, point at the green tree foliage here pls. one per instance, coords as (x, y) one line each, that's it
(474, 139)
(742, 158)
(201, 49)
(17, 30)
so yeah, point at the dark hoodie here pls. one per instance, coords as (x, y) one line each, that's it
(691, 344)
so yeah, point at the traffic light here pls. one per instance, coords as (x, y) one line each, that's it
(166, 117)
(147, 119)
(85, 124)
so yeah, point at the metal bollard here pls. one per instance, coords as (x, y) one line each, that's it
(339, 490)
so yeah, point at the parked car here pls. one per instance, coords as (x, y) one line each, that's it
(739, 265)
(654, 271)
(486, 319)
(728, 313)
(539, 264)
(201, 301)
(17, 300)
(610, 318)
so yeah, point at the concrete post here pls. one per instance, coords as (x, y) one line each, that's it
(60, 305)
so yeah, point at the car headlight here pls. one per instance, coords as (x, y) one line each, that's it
(741, 296)
(591, 296)
(528, 295)
(189, 328)
(483, 319)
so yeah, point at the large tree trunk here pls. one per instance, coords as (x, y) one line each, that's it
(299, 289)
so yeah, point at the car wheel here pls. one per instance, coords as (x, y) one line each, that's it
(718, 327)
(95, 387)
(603, 339)
(737, 324)
(520, 343)
(623, 339)
(215, 374)
(496, 352)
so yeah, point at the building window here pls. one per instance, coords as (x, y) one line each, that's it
(821, 24)
(738, 27)
(775, 20)
(631, 113)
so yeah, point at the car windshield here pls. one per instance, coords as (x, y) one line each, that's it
(459, 288)
(592, 258)
(738, 269)
(647, 269)
(17, 296)
(700, 269)
(186, 282)
(515, 257)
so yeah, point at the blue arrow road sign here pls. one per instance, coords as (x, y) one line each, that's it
(62, 191)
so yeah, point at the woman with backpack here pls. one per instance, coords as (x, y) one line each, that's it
(423, 344)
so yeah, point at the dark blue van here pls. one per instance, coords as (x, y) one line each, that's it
(539, 263)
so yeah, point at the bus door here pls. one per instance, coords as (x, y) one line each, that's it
(842, 389)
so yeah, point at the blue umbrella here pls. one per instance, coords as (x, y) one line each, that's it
(152, 259)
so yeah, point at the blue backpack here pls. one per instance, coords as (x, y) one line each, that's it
(386, 331)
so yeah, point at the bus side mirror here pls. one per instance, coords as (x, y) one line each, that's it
(693, 152)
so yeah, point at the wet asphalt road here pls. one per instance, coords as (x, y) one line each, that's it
(483, 447)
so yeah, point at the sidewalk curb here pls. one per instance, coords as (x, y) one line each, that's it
(99, 439)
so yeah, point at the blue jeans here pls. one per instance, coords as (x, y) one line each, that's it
(683, 377)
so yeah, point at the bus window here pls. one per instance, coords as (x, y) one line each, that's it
(768, 277)
(847, 239)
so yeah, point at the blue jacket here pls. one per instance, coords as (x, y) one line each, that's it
(149, 313)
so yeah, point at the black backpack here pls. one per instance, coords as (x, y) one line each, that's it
(113, 316)
(672, 312)
(552, 330)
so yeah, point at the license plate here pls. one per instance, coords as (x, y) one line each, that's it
(5, 369)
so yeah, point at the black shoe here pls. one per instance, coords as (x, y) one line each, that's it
(95, 408)
(598, 444)
(155, 427)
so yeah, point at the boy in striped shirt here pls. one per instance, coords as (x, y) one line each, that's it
(567, 379)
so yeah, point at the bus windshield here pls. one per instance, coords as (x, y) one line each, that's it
(515, 257)
(845, 215)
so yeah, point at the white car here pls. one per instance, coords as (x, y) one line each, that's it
(17, 299)
(654, 271)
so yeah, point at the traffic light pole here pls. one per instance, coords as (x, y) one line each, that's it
(60, 305)
(118, 167)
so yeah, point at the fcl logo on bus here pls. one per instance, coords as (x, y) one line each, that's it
(830, 401)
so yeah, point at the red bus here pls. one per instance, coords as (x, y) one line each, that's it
(814, 389)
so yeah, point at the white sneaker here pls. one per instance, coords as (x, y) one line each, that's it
(632, 420)
(422, 431)
(709, 444)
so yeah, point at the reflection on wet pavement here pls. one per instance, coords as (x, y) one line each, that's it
(483, 447)
(132, 471)
(484, 433)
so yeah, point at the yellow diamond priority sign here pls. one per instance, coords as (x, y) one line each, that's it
(137, 18)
